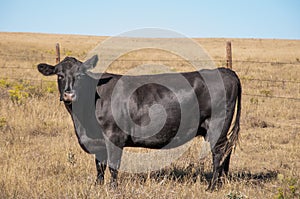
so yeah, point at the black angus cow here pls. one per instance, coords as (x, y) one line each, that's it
(109, 115)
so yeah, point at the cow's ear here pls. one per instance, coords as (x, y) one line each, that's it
(46, 69)
(91, 63)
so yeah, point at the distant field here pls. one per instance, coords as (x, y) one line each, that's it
(40, 156)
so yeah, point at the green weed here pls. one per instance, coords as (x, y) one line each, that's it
(254, 101)
(18, 94)
(289, 189)
(67, 52)
(50, 87)
(4, 83)
(20, 90)
(3, 122)
(267, 93)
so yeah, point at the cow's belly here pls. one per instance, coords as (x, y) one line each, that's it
(173, 134)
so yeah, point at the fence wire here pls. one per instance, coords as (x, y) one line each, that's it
(297, 63)
(271, 96)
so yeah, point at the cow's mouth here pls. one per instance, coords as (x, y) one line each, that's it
(67, 102)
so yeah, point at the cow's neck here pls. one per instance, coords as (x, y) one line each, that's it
(82, 110)
(87, 128)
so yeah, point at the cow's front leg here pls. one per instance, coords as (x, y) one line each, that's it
(114, 161)
(114, 176)
(101, 162)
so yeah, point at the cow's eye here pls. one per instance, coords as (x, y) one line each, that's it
(60, 76)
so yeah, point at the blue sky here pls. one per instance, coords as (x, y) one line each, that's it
(210, 18)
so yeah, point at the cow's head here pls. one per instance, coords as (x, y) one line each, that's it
(69, 72)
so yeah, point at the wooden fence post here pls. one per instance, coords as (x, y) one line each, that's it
(228, 55)
(57, 53)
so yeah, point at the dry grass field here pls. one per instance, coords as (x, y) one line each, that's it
(40, 156)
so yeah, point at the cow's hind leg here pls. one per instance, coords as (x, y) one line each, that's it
(226, 164)
(217, 169)
(101, 161)
(220, 153)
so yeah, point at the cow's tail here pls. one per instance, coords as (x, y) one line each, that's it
(233, 134)
(234, 138)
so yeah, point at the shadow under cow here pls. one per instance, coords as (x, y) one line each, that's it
(192, 173)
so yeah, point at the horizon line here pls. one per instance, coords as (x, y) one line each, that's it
(141, 37)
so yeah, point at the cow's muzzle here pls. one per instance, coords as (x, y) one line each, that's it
(69, 96)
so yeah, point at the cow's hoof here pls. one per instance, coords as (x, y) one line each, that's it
(99, 180)
(113, 184)
(213, 186)
(209, 189)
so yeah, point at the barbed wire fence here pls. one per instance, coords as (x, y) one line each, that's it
(228, 62)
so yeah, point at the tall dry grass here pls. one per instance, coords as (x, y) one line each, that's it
(40, 156)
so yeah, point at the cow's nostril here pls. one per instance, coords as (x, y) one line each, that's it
(68, 96)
